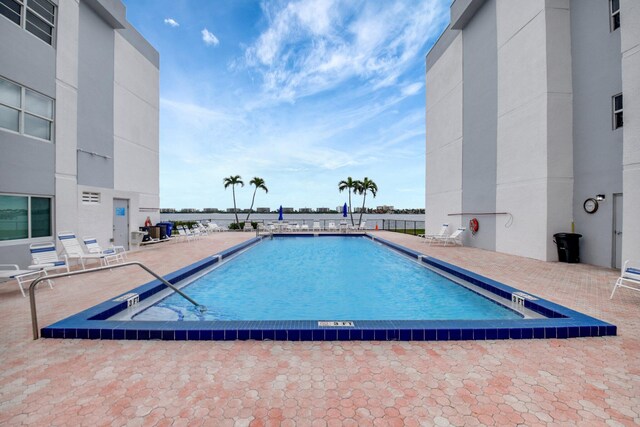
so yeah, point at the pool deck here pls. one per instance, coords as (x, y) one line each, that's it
(587, 381)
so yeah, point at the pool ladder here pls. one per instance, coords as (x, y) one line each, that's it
(32, 288)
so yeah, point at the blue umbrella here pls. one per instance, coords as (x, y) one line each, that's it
(280, 214)
(344, 210)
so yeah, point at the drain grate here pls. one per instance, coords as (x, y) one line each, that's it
(339, 324)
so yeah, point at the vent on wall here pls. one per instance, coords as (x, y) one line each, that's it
(90, 198)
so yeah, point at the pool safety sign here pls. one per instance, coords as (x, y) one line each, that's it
(338, 324)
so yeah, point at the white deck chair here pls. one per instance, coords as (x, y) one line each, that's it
(10, 272)
(212, 226)
(363, 225)
(316, 226)
(332, 227)
(247, 226)
(45, 257)
(74, 250)
(93, 247)
(628, 276)
(433, 237)
(455, 238)
(304, 227)
(184, 234)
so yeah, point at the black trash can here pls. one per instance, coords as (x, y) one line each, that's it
(568, 247)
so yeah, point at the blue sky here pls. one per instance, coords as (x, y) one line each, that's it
(299, 93)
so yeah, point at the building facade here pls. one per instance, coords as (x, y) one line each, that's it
(79, 114)
(533, 121)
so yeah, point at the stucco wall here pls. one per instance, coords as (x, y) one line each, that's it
(597, 151)
(480, 125)
(444, 139)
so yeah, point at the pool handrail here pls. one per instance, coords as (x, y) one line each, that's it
(32, 288)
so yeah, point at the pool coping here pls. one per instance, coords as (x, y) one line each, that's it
(561, 322)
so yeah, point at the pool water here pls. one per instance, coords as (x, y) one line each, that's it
(325, 278)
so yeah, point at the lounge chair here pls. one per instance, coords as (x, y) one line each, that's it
(628, 276)
(184, 234)
(93, 247)
(455, 238)
(73, 250)
(247, 226)
(332, 227)
(304, 227)
(433, 237)
(45, 257)
(316, 226)
(212, 226)
(11, 271)
(363, 225)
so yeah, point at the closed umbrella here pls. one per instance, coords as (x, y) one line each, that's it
(344, 210)
(280, 213)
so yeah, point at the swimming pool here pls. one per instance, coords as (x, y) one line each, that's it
(366, 299)
(332, 278)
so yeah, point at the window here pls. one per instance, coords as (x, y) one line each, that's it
(617, 111)
(39, 19)
(24, 217)
(615, 14)
(90, 198)
(25, 111)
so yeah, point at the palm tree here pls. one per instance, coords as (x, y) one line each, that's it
(348, 184)
(361, 188)
(259, 184)
(232, 181)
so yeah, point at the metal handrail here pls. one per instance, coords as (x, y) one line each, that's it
(32, 288)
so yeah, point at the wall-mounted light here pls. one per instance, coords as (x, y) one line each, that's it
(600, 197)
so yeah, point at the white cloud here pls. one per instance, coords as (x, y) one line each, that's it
(411, 89)
(311, 46)
(209, 38)
(171, 22)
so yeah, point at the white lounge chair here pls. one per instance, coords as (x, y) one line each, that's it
(184, 234)
(247, 226)
(316, 226)
(93, 247)
(628, 276)
(74, 250)
(433, 237)
(332, 227)
(304, 227)
(212, 226)
(11, 271)
(363, 225)
(455, 238)
(45, 257)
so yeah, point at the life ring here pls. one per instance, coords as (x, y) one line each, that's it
(474, 226)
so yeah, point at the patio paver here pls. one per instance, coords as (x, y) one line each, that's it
(587, 381)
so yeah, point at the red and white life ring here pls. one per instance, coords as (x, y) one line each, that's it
(474, 226)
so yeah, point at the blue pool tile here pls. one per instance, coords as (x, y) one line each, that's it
(205, 335)
(94, 334)
(244, 334)
(256, 334)
(168, 335)
(492, 334)
(430, 335)
(479, 334)
(527, 333)
(330, 335)
(118, 334)
(281, 334)
(417, 334)
(192, 335)
(230, 334)
(612, 330)
(293, 335)
(574, 332)
(143, 334)
(82, 333)
(515, 333)
(455, 335)
(217, 335)
(306, 335)
(180, 335)
(380, 335)
(538, 333)
(355, 334)
(57, 333)
(343, 335)
(69, 333)
(442, 335)
(405, 334)
(318, 335)
(550, 333)
(46, 333)
(131, 334)
(467, 334)
(368, 334)
(269, 334)
(563, 332)
(503, 334)
(106, 334)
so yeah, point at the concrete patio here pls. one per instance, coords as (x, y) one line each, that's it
(584, 381)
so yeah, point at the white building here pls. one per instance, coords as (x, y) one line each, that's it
(526, 127)
(79, 103)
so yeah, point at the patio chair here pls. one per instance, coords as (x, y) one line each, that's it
(430, 237)
(45, 257)
(304, 227)
(247, 226)
(331, 226)
(362, 225)
(91, 243)
(184, 234)
(316, 226)
(628, 276)
(10, 272)
(455, 238)
(212, 226)
(73, 250)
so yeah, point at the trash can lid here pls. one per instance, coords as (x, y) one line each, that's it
(561, 235)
